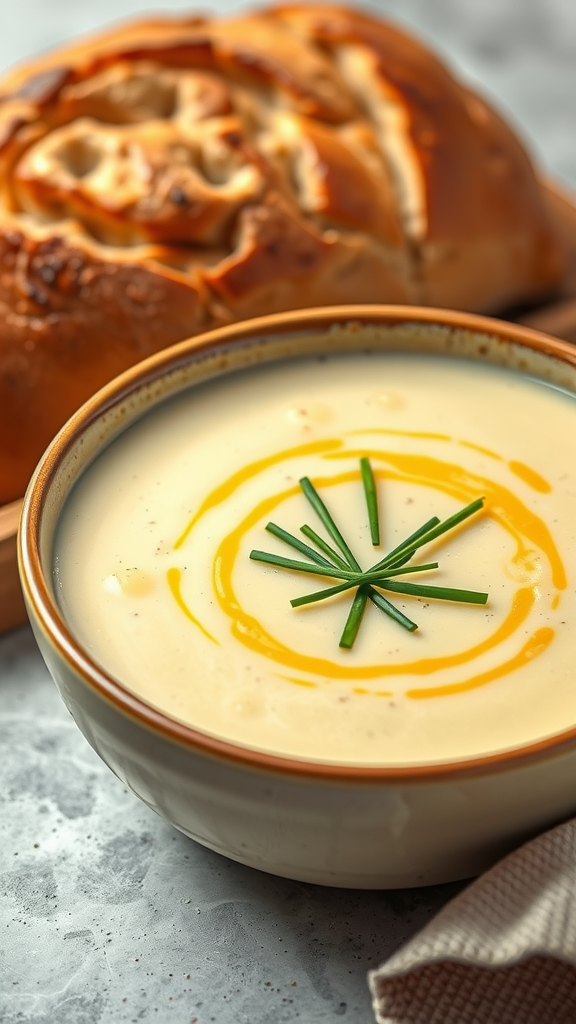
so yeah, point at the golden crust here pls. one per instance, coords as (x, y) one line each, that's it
(174, 174)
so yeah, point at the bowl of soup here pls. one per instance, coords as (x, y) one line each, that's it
(307, 586)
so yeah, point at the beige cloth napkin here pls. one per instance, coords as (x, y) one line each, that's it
(502, 952)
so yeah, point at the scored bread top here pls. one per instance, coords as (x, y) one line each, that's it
(175, 174)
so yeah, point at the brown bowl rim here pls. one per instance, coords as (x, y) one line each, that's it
(112, 690)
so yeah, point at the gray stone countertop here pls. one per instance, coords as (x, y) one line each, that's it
(109, 915)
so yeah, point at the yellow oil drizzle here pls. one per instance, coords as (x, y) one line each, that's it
(220, 494)
(300, 682)
(530, 477)
(251, 632)
(533, 647)
(401, 433)
(483, 451)
(174, 577)
(362, 690)
(502, 505)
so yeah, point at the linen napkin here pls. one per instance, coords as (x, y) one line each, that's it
(502, 952)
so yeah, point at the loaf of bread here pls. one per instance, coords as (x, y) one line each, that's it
(174, 175)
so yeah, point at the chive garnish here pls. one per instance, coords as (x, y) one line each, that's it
(375, 579)
(409, 548)
(395, 556)
(298, 544)
(389, 609)
(374, 575)
(354, 618)
(438, 593)
(367, 583)
(289, 563)
(324, 546)
(324, 515)
(321, 595)
(371, 500)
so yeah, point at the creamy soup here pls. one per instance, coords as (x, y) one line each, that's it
(154, 575)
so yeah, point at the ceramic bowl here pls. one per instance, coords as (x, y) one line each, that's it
(341, 825)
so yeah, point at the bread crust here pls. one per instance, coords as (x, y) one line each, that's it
(174, 174)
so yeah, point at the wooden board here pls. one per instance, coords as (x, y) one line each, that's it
(557, 318)
(12, 611)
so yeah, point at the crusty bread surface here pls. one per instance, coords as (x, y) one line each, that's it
(176, 174)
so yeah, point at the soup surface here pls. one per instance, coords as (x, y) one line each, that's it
(153, 571)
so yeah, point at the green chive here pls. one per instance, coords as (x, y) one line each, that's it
(380, 575)
(384, 574)
(365, 577)
(320, 595)
(354, 618)
(323, 513)
(438, 593)
(395, 555)
(388, 608)
(332, 555)
(371, 500)
(437, 531)
(294, 542)
(288, 563)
